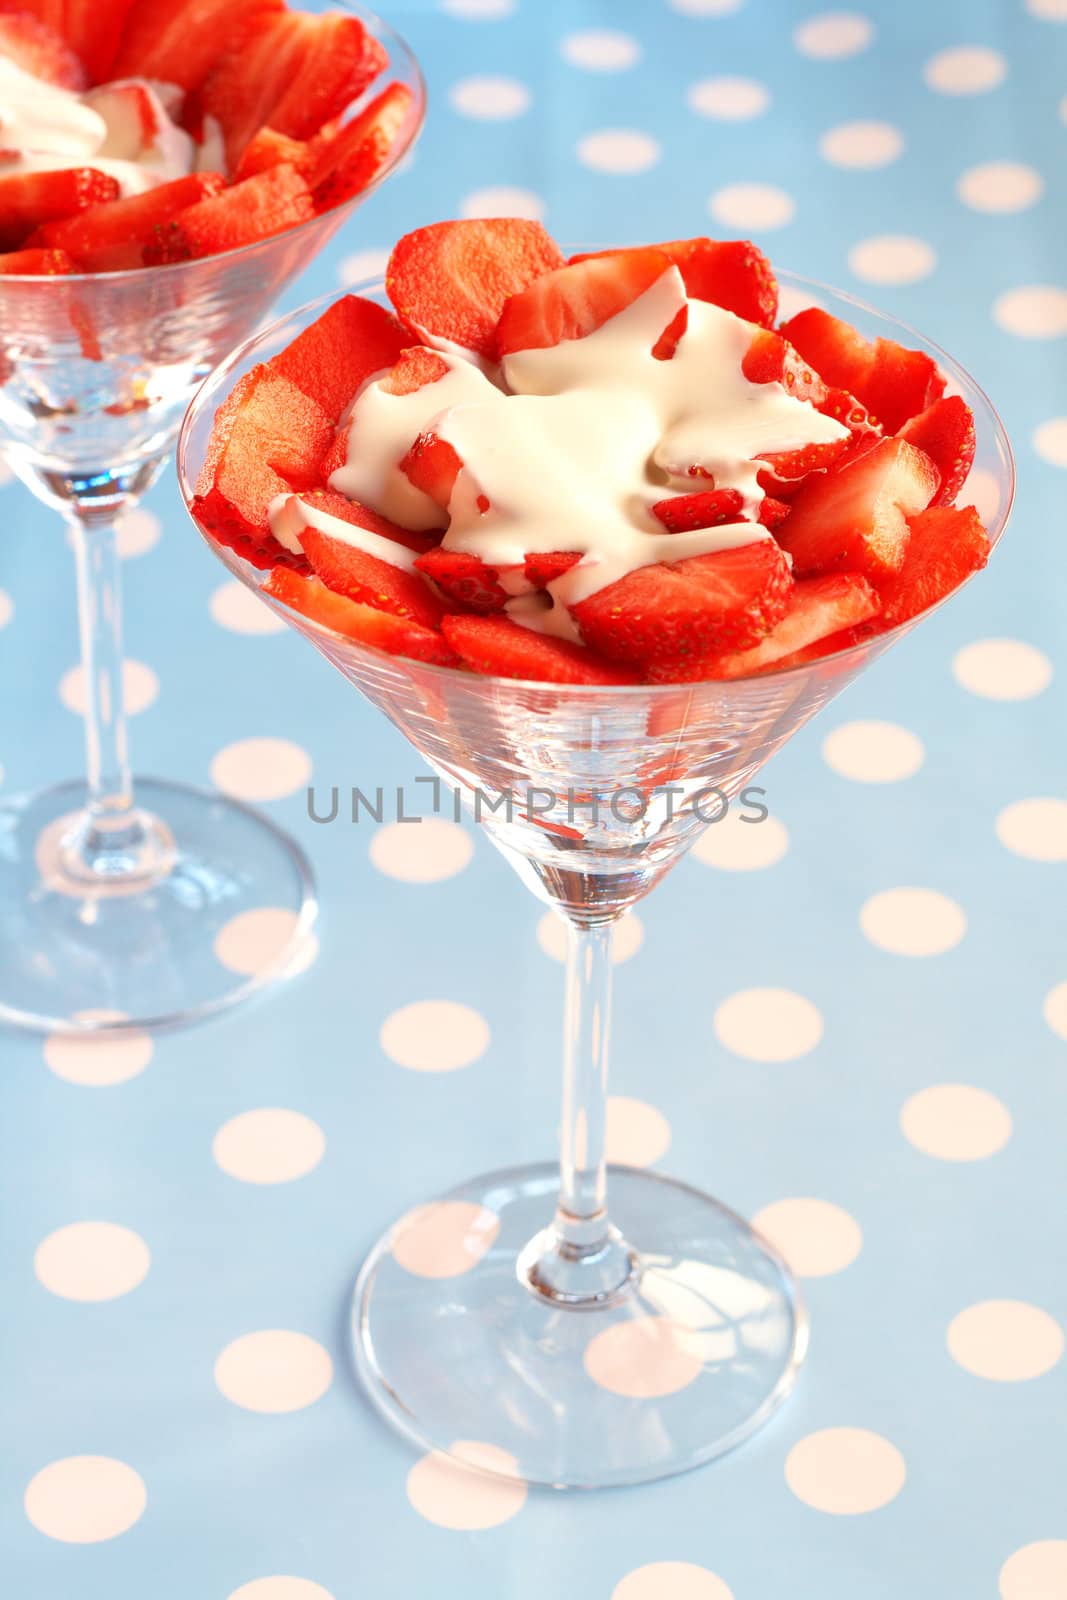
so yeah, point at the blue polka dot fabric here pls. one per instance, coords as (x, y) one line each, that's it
(849, 1023)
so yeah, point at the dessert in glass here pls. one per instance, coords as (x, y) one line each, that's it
(598, 537)
(165, 169)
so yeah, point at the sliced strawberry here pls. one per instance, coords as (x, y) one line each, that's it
(132, 114)
(451, 280)
(856, 519)
(367, 624)
(38, 49)
(111, 237)
(727, 600)
(92, 29)
(947, 544)
(728, 273)
(28, 199)
(352, 572)
(333, 358)
(465, 578)
(36, 263)
(433, 466)
(772, 512)
(178, 41)
(682, 513)
(543, 567)
(354, 156)
(272, 149)
(576, 300)
(500, 648)
(360, 516)
(945, 431)
(415, 368)
(892, 382)
(269, 203)
(783, 466)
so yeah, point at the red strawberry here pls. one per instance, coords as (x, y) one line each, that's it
(783, 466)
(892, 382)
(178, 41)
(465, 578)
(354, 156)
(856, 519)
(724, 601)
(31, 44)
(544, 567)
(451, 280)
(269, 203)
(682, 513)
(93, 29)
(945, 431)
(415, 367)
(359, 516)
(433, 466)
(332, 359)
(500, 648)
(367, 624)
(36, 263)
(576, 300)
(772, 513)
(112, 237)
(947, 544)
(352, 572)
(27, 199)
(272, 149)
(728, 273)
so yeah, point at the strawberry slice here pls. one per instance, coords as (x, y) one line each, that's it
(500, 648)
(576, 300)
(544, 567)
(353, 572)
(360, 516)
(465, 578)
(947, 544)
(731, 273)
(772, 512)
(856, 519)
(269, 203)
(92, 29)
(352, 158)
(451, 280)
(269, 148)
(111, 237)
(683, 513)
(332, 359)
(28, 199)
(177, 41)
(40, 50)
(892, 382)
(433, 466)
(380, 629)
(945, 431)
(36, 263)
(415, 368)
(724, 601)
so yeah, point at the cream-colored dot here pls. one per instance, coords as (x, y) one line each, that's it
(138, 532)
(281, 1588)
(97, 1062)
(1006, 1341)
(92, 1261)
(256, 941)
(671, 1580)
(434, 1036)
(845, 1471)
(739, 845)
(1055, 1010)
(268, 1145)
(1037, 1571)
(1036, 829)
(956, 1122)
(85, 1499)
(1050, 441)
(444, 1239)
(1000, 186)
(892, 259)
(479, 10)
(261, 769)
(140, 687)
(7, 608)
(627, 937)
(1002, 669)
(503, 201)
(816, 1237)
(913, 922)
(274, 1370)
(638, 1135)
(834, 35)
(451, 1495)
(620, 151)
(728, 99)
(362, 266)
(705, 8)
(982, 490)
(1048, 10)
(1034, 311)
(421, 852)
(965, 69)
(644, 1358)
(752, 205)
(793, 298)
(863, 145)
(873, 752)
(601, 50)
(768, 1024)
(239, 609)
(1063, 109)
(489, 99)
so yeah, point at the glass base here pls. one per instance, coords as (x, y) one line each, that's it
(216, 904)
(466, 1357)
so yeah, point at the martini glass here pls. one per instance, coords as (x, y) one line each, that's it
(577, 1346)
(113, 896)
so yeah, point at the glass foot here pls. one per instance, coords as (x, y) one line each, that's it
(217, 904)
(464, 1356)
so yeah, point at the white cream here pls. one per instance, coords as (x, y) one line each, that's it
(289, 515)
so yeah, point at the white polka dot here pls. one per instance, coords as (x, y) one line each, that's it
(845, 1471)
(600, 50)
(274, 1370)
(705, 8)
(1063, 109)
(444, 1239)
(815, 1237)
(638, 1135)
(1036, 311)
(644, 1358)
(1006, 1341)
(1000, 186)
(361, 266)
(861, 144)
(478, 10)
(282, 1588)
(451, 1496)
(982, 490)
(671, 1580)
(92, 1261)
(503, 202)
(728, 99)
(618, 150)
(1048, 10)
(834, 35)
(489, 99)
(768, 1025)
(737, 845)
(873, 752)
(140, 688)
(7, 608)
(752, 205)
(138, 532)
(97, 1063)
(253, 941)
(1050, 441)
(956, 1122)
(1002, 669)
(913, 922)
(627, 937)
(892, 258)
(424, 852)
(261, 769)
(434, 1036)
(792, 298)
(269, 1145)
(85, 1499)
(1036, 1572)
(1036, 829)
(242, 611)
(1055, 1010)
(966, 69)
